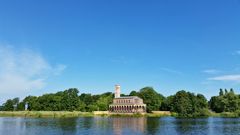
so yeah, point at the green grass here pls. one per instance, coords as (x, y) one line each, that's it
(63, 114)
(66, 114)
(41, 114)
(226, 114)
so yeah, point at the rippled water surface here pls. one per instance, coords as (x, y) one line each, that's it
(118, 126)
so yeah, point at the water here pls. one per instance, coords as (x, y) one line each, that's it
(118, 126)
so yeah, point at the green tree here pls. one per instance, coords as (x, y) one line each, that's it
(216, 104)
(49, 102)
(232, 102)
(201, 101)
(221, 93)
(188, 104)
(70, 100)
(229, 102)
(86, 98)
(33, 104)
(81, 106)
(232, 91)
(151, 98)
(226, 91)
(8, 106)
(133, 93)
(15, 101)
(21, 106)
(104, 101)
(183, 104)
(93, 107)
(168, 104)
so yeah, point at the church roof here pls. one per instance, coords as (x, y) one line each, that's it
(128, 97)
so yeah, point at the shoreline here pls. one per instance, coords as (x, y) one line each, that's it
(68, 114)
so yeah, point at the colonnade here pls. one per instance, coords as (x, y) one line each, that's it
(127, 108)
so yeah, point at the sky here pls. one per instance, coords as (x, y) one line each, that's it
(171, 45)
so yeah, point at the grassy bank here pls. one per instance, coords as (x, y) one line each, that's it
(40, 114)
(226, 114)
(62, 114)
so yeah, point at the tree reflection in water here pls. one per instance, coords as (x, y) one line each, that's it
(152, 125)
(67, 125)
(119, 126)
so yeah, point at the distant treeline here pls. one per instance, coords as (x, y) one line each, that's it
(185, 104)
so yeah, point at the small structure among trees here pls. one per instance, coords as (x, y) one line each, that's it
(128, 104)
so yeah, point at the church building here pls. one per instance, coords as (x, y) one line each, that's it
(126, 104)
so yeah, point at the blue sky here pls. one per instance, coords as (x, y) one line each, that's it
(47, 46)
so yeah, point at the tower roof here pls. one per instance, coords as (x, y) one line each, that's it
(129, 97)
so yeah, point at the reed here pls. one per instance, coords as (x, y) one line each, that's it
(39, 114)
(66, 114)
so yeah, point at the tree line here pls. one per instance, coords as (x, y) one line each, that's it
(185, 104)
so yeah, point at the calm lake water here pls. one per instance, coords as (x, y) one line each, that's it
(119, 126)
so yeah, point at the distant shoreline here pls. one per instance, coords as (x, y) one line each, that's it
(63, 114)
(68, 114)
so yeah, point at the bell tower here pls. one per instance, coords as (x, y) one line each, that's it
(117, 91)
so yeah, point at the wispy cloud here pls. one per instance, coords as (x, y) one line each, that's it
(234, 77)
(211, 71)
(238, 52)
(59, 69)
(24, 70)
(171, 71)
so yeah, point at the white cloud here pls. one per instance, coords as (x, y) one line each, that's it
(211, 71)
(238, 52)
(23, 70)
(235, 78)
(59, 69)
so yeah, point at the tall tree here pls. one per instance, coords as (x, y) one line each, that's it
(188, 104)
(168, 104)
(183, 104)
(8, 106)
(104, 101)
(229, 102)
(151, 98)
(226, 91)
(221, 93)
(70, 99)
(133, 93)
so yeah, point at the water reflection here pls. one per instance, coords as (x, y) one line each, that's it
(14, 127)
(119, 126)
(133, 125)
(86, 123)
(191, 126)
(67, 125)
(225, 125)
(153, 125)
